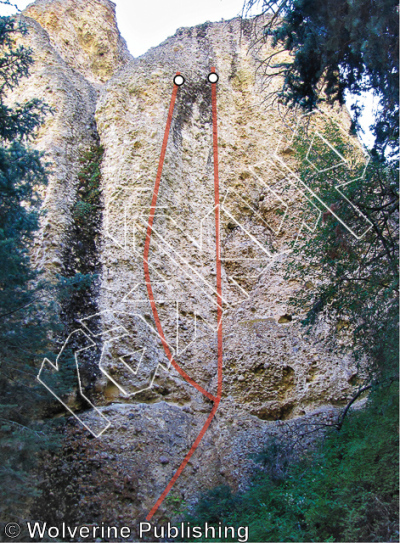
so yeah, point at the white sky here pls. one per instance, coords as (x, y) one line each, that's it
(145, 25)
(370, 103)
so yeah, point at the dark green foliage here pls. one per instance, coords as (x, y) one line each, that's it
(27, 315)
(78, 286)
(85, 208)
(338, 46)
(80, 259)
(68, 287)
(19, 448)
(346, 487)
(21, 173)
(215, 505)
(356, 279)
(344, 490)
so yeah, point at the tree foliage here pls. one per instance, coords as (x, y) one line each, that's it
(346, 489)
(336, 46)
(26, 312)
(31, 307)
(350, 262)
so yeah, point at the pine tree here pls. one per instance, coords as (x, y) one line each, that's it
(354, 280)
(26, 317)
(337, 46)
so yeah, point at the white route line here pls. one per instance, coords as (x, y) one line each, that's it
(307, 188)
(56, 368)
(132, 223)
(195, 272)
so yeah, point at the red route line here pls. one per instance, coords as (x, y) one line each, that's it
(215, 399)
(147, 249)
(217, 234)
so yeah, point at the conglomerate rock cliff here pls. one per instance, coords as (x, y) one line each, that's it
(273, 376)
(84, 34)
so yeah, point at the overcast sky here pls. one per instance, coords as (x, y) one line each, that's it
(145, 25)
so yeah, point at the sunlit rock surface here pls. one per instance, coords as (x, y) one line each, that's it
(275, 378)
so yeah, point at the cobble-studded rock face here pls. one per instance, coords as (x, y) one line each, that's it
(267, 361)
(67, 132)
(85, 34)
(272, 372)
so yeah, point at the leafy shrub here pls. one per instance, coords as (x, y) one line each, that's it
(344, 490)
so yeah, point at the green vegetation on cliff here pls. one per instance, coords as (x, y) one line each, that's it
(29, 303)
(345, 490)
(25, 310)
(350, 262)
(346, 487)
(339, 46)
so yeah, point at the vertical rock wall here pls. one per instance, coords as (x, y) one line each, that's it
(271, 372)
(84, 34)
